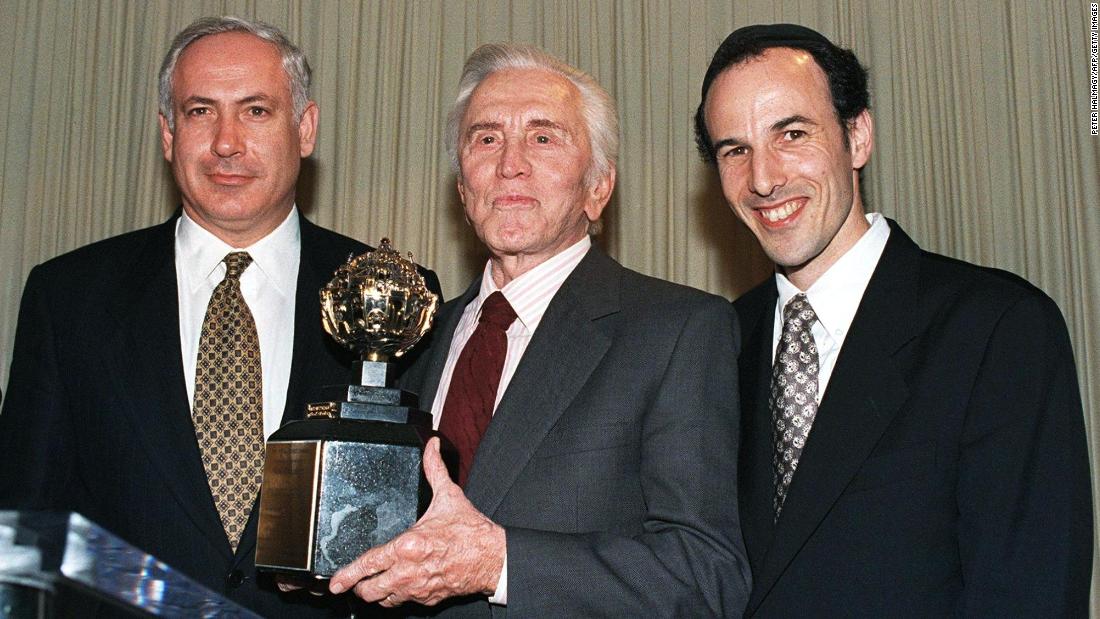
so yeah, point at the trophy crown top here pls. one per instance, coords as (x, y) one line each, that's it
(378, 304)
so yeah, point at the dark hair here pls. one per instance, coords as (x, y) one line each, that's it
(847, 78)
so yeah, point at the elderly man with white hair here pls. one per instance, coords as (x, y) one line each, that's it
(597, 447)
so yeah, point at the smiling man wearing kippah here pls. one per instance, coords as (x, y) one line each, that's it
(912, 433)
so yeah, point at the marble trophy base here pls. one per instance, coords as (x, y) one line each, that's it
(346, 479)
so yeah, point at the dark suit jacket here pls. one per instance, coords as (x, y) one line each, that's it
(946, 472)
(97, 419)
(611, 458)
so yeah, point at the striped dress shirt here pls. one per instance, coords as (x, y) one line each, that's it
(529, 295)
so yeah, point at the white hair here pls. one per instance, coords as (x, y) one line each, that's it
(597, 107)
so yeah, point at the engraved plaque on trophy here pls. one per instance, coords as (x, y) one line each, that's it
(350, 476)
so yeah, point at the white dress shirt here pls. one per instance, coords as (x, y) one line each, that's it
(529, 295)
(835, 296)
(268, 286)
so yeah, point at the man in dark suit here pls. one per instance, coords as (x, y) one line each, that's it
(598, 477)
(913, 441)
(112, 360)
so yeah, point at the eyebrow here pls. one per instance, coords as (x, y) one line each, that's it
(778, 125)
(208, 101)
(534, 123)
(197, 99)
(260, 98)
(483, 126)
(543, 123)
(783, 123)
(720, 144)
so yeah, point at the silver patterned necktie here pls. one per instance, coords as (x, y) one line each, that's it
(228, 408)
(793, 399)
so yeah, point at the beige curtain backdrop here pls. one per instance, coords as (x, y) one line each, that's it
(982, 149)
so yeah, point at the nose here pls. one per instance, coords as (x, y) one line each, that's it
(767, 173)
(513, 160)
(228, 139)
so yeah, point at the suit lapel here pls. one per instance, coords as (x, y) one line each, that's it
(313, 272)
(562, 354)
(865, 392)
(756, 483)
(150, 378)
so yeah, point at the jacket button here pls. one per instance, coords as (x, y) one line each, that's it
(234, 579)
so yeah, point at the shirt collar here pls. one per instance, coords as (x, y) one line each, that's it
(200, 253)
(530, 294)
(836, 295)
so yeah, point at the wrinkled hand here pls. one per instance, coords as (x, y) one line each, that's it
(452, 550)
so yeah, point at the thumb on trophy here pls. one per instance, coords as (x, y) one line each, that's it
(435, 471)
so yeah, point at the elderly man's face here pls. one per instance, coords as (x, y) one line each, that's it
(524, 151)
(236, 148)
(784, 167)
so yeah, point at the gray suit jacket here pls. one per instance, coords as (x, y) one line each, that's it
(611, 458)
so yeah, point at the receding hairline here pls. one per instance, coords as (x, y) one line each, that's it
(270, 46)
(770, 52)
(766, 54)
(293, 60)
(258, 95)
(575, 98)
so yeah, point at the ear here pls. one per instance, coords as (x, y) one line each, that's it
(599, 194)
(165, 138)
(462, 197)
(861, 139)
(461, 189)
(307, 130)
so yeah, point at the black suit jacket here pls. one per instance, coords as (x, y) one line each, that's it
(946, 472)
(97, 419)
(611, 458)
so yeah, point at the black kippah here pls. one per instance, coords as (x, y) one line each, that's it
(775, 35)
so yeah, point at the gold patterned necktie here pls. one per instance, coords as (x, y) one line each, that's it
(793, 398)
(228, 410)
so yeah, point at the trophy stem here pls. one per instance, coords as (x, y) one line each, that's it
(370, 372)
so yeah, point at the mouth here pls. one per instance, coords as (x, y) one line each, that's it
(782, 213)
(229, 180)
(514, 201)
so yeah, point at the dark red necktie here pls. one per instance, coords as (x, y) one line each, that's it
(473, 391)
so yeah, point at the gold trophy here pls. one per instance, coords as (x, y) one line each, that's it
(350, 476)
